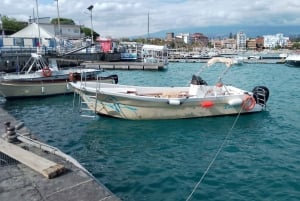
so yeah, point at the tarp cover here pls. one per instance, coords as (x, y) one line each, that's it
(32, 31)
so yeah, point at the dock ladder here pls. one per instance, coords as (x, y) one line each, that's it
(84, 109)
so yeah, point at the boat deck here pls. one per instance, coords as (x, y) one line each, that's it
(24, 182)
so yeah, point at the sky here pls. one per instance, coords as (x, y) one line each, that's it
(127, 18)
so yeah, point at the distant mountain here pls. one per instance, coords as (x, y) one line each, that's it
(224, 31)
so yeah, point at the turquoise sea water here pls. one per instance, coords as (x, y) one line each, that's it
(164, 160)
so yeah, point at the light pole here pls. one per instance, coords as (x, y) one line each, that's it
(58, 18)
(39, 31)
(90, 8)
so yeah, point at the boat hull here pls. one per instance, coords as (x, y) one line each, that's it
(12, 90)
(22, 90)
(293, 60)
(37, 78)
(292, 63)
(142, 107)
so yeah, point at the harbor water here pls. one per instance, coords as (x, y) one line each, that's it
(257, 158)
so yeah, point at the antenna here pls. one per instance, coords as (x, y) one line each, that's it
(148, 27)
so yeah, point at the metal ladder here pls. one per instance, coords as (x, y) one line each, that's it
(84, 109)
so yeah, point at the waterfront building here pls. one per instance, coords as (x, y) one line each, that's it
(170, 36)
(251, 44)
(199, 38)
(185, 37)
(67, 31)
(229, 43)
(241, 40)
(278, 40)
(217, 44)
(259, 43)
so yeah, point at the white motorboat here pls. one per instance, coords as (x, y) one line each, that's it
(196, 100)
(37, 78)
(238, 60)
(293, 60)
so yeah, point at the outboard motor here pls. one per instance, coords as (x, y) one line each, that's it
(115, 78)
(261, 95)
(197, 80)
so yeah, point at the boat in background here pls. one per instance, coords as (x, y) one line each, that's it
(197, 100)
(157, 54)
(237, 60)
(293, 60)
(37, 78)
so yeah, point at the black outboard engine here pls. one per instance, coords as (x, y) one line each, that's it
(115, 77)
(261, 95)
(197, 80)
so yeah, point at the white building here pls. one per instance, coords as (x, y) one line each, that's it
(272, 41)
(185, 37)
(67, 31)
(241, 40)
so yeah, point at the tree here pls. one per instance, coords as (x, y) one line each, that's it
(11, 25)
(296, 45)
(87, 32)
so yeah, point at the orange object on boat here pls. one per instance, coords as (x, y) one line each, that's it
(207, 104)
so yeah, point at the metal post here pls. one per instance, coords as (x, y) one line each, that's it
(90, 8)
(58, 19)
(37, 13)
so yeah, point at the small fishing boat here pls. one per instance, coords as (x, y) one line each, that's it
(238, 60)
(196, 100)
(37, 78)
(293, 60)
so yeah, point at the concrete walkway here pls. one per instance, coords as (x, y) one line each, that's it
(19, 182)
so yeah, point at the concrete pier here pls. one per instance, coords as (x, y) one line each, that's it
(125, 65)
(20, 181)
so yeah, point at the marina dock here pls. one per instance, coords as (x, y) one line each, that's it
(32, 170)
(124, 65)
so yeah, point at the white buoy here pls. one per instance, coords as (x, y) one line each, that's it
(174, 102)
(235, 101)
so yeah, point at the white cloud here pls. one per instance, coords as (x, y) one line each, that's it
(119, 18)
